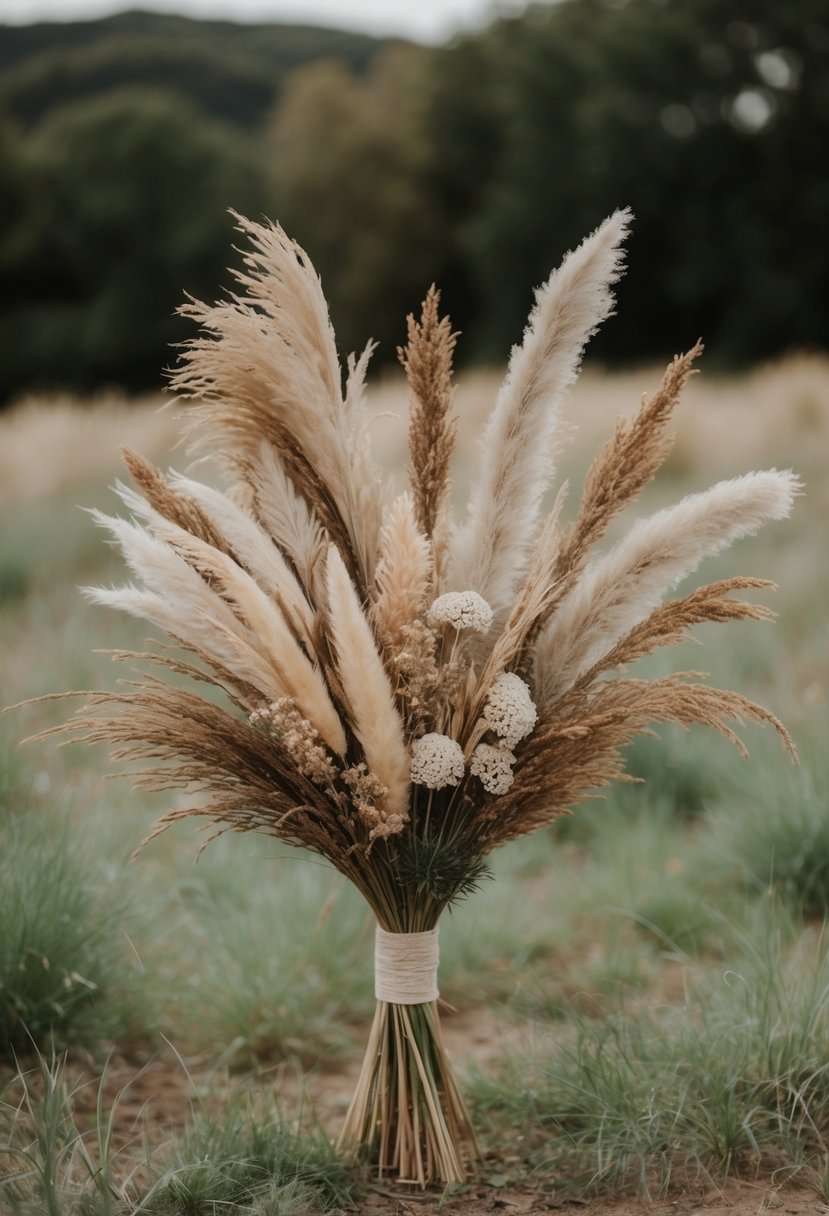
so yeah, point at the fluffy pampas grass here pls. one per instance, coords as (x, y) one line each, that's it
(394, 694)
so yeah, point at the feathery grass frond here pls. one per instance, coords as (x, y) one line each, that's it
(299, 677)
(269, 369)
(240, 539)
(249, 781)
(575, 750)
(615, 592)
(404, 575)
(232, 619)
(282, 512)
(175, 506)
(186, 602)
(617, 475)
(488, 553)
(629, 460)
(668, 624)
(369, 695)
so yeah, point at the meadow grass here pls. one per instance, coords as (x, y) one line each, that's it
(650, 950)
(734, 1077)
(66, 974)
(248, 1158)
(775, 834)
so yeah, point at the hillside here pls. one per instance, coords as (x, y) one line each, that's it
(231, 71)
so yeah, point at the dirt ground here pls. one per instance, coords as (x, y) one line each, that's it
(735, 1199)
(156, 1099)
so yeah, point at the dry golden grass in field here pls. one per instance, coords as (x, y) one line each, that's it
(778, 413)
(50, 444)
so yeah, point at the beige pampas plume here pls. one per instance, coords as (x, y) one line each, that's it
(269, 370)
(374, 717)
(282, 512)
(175, 565)
(488, 552)
(617, 591)
(404, 574)
(255, 552)
(240, 537)
(301, 680)
(178, 600)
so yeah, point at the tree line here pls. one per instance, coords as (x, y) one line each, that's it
(476, 165)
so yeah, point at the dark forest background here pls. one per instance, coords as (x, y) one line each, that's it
(124, 141)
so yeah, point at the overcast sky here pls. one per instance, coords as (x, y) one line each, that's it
(427, 20)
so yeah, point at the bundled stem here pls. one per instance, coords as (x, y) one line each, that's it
(407, 1114)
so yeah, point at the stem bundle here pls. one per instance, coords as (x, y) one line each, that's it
(407, 1115)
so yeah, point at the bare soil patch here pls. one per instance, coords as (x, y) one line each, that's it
(735, 1198)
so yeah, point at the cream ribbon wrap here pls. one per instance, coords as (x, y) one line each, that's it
(406, 967)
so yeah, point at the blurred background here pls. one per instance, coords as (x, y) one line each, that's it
(473, 159)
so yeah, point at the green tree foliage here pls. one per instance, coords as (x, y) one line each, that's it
(128, 196)
(704, 117)
(231, 71)
(475, 165)
(350, 184)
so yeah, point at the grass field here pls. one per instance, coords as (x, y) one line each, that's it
(640, 998)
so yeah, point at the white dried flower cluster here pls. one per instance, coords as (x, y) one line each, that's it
(493, 767)
(461, 610)
(283, 721)
(509, 709)
(437, 761)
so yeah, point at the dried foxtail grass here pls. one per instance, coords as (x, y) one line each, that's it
(427, 359)
(396, 697)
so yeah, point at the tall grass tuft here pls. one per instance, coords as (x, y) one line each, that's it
(735, 1078)
(248, 1159)
(47, 1166)
(67, 973)
(776, 836)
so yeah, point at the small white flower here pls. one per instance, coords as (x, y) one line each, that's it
(493, 767)
(461, 610)
(509, 708)
(437, 761)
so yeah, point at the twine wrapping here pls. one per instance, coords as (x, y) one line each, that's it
(406, 967)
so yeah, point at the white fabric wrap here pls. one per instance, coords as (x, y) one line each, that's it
(406, 967)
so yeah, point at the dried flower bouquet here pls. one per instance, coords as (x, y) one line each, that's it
(402, 695)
